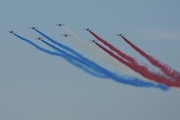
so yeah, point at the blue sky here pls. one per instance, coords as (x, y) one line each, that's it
(37, 86)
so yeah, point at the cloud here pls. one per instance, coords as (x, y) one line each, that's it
(156, 33)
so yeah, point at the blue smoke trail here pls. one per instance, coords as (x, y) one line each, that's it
(67, 48)
(131, 81)
(61, 55)
(96, 70)
(59, 44)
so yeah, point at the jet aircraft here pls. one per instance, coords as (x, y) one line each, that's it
(59, 24)
(34, 28)
(65, 35)
(39, 38)
(87, 29)
(120, 35)
(93, 40)
(12, 32)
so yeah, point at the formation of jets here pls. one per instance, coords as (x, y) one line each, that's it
(65, 35)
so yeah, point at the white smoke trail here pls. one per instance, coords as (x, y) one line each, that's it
(85, 48)
(91, 48)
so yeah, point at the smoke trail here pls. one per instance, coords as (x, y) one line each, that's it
(66, 48)
(73, 62)
(94, 50)
(146, 74)
(90, 48)
(78, 44)
(108, 73)
(38, 47)
(82, 59)
(163, 67)
(117, 65)
(128, 58)
(59, 44)
(130, 80)
(105, 57)
(142, 69)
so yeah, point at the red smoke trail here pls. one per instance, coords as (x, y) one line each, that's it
(144, 72)
(163, 67)
(130, 59)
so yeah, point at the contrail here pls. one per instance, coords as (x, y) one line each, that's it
(163, 67)
(105, 57)
(144, 73)
(130, 80)
(63, 56)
